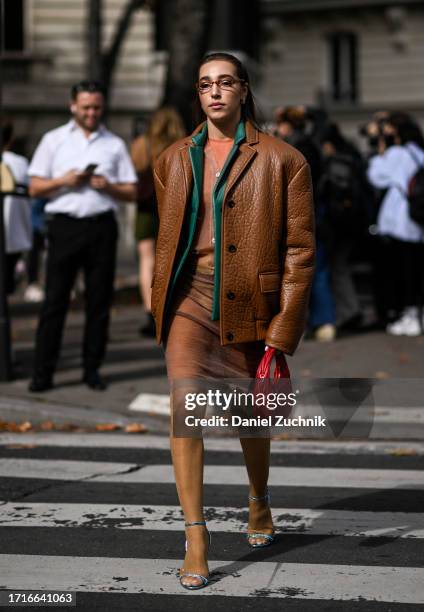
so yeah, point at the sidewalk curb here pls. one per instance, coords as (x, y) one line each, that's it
(40, 410)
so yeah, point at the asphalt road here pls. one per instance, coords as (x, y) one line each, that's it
(135, 370)
(98, 514)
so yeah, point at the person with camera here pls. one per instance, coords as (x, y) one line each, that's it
(400, 155)
(84, 170)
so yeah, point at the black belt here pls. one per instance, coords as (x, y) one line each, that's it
(107, 213)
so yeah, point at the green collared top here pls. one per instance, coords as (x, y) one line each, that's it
(196, 157)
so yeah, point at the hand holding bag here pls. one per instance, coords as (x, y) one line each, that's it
(264, 386)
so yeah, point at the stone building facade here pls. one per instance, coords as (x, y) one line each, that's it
(48, 53)
(37, 77)
(350, 56)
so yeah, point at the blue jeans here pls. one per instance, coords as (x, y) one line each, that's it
(322, 307)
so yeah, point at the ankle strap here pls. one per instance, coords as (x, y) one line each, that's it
(257, 498)
(195, 523)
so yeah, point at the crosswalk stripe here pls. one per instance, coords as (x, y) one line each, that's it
(286, 476)
(245, 579)
(223, 519)
(120, 440)
(97, 471)
(151, 403)
(270, 577)
(61, 470)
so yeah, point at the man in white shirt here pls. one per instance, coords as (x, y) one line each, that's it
(84, 170)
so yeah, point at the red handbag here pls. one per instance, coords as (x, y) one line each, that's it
(264, 385)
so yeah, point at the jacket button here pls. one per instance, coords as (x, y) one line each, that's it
(231, 204)
(230, 336)
(230, 295)
(232, 248)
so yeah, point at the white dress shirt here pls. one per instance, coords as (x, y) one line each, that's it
(67, 148)
(393, 170)
(17, 210)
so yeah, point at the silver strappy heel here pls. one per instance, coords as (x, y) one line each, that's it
(268, 536)
(205, 581)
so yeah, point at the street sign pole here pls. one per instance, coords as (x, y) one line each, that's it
(5, 343)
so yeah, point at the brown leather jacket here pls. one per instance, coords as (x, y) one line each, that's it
(268, 239)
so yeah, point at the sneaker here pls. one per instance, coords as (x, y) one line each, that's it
(34, 293)
(407, 325)
(325, 333)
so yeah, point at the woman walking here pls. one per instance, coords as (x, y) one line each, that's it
(234, 265)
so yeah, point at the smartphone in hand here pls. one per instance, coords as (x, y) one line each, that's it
(89, 170)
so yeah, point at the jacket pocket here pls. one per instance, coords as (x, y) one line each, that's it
(268, 298)
(269, 282)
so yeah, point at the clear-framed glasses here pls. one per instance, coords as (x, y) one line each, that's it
(225, 82)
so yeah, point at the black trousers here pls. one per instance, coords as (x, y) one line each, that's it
(398, 275)
(11, 261)
(73, 244)
(34, 256)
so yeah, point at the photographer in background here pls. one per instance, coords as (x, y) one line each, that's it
(401, 251)
(373, 131)
(385, 307)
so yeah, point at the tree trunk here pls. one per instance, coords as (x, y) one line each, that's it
(187, 45)
(95, 39)
(102, 63)
(110, 57)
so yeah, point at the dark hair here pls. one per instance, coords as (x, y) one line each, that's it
(294, 115)
(6, 131)
(87, 87)
(331, 133)
(249, 111)
(407, 129)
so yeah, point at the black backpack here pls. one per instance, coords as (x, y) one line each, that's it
(340, 190)
(415, 193)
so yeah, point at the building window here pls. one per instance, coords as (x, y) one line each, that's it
(13, 31)
(343, 64)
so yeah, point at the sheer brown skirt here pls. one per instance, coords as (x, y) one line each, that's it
(192, 340)
(193, 350)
